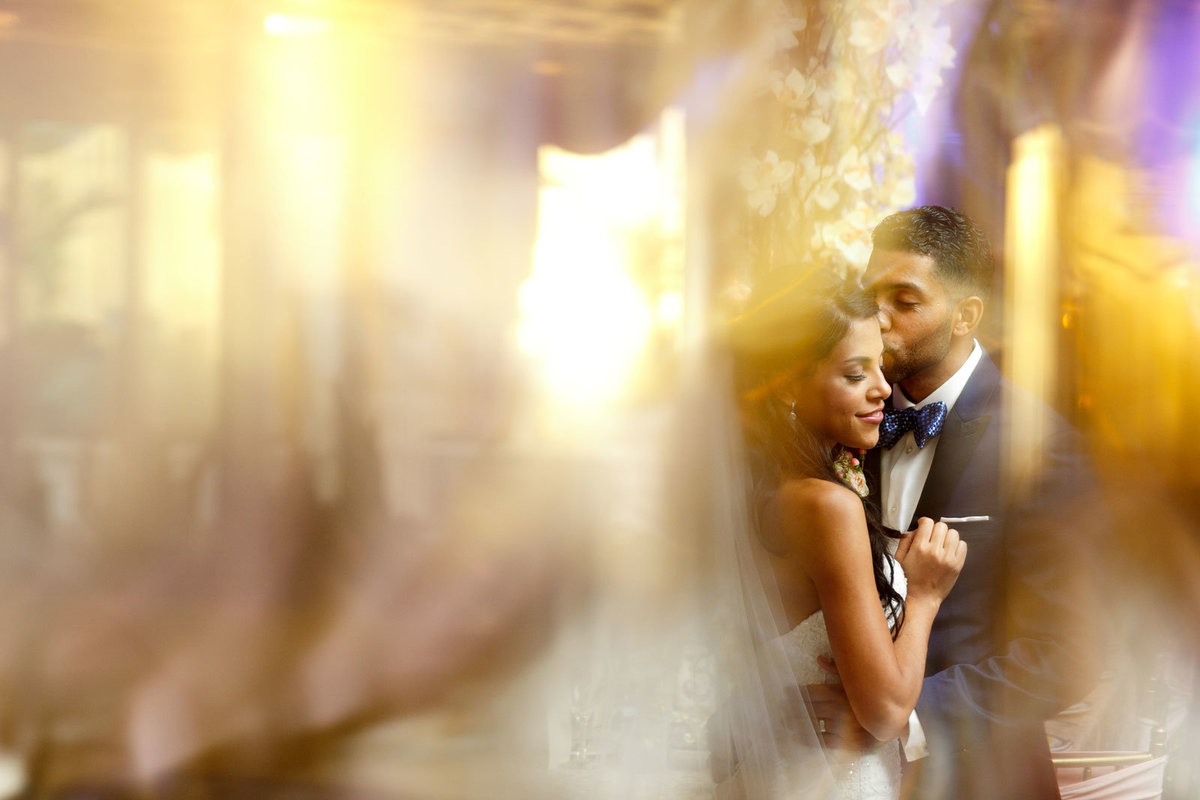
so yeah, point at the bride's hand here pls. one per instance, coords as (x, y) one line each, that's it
(932, 557)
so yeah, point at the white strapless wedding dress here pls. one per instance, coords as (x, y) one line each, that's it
(868, 776)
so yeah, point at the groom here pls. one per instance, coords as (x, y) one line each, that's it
(1007, 650)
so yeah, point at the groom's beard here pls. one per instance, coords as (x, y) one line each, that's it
(901, 362)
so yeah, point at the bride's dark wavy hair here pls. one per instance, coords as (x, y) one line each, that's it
(791, 324)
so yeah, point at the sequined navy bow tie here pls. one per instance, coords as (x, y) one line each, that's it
(924, 422)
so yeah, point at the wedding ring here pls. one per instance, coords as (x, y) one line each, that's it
(821, 725)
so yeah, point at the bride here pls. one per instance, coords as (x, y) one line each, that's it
(811, 392)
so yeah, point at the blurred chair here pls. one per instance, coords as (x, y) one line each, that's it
(1125, 774)
(1133, 776)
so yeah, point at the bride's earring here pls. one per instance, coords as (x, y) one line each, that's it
(792, 413)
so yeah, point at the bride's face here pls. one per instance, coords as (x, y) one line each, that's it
(841, 398)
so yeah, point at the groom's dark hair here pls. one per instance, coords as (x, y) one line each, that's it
(959, 248)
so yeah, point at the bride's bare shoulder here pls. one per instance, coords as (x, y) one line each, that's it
(810, 506)
(816, 495)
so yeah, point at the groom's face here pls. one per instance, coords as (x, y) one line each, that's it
(915, 312)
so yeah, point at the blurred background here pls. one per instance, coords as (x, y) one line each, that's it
(342, 341)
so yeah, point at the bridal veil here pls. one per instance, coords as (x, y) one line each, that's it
(669, 685)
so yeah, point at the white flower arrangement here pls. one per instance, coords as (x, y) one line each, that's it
(829, 164)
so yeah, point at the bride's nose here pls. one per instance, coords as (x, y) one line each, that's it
(880, 389)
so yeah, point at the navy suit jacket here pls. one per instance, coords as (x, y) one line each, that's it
(1010, 645)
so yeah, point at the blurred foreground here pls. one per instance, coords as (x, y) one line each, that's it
(353, 431)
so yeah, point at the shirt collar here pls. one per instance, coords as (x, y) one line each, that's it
(949, 391)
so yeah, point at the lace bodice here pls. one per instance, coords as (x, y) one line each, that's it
(872, 776)
(803, 643)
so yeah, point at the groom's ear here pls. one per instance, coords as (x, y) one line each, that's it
(967, 313)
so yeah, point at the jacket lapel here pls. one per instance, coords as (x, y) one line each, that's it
(960, 436)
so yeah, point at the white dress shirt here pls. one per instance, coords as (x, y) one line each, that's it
(902, 472)
(904, 467)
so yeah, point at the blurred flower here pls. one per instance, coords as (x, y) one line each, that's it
(825, 195)
(854, 170)
(871, 33)
(849, 74)
(762, 178)
(900, 191)
(850, 235)
(794, 90)
(786, 28)
(810, 130)
(900, 75)
(899, 188)
(824, 94)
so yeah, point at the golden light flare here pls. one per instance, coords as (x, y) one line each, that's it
(584, 316)
(294, 25)
(1031, 286)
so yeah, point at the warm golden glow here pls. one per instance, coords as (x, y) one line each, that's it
(291, 25)
(669, 309)
(182, 246)
(584, 315)
(1031, 286)
(1140, 328)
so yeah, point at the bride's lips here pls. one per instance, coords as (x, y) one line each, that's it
(875, 417)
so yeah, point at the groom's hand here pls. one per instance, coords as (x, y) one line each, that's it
(842, 731)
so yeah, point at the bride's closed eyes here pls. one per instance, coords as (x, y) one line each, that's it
(840, 398)
(865, 363)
